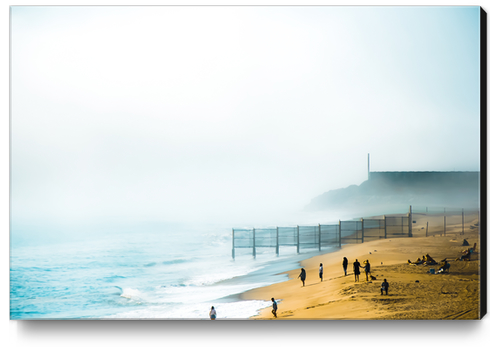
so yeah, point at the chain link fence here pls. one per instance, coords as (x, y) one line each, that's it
(445, 221)
(419, 220)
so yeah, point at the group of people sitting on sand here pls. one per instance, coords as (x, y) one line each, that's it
(426, 260)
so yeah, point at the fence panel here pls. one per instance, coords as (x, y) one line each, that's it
(308, 236)
(266, 237)
(397, 226)
(471, 220)
(288, 236)
(351, 231)
(329, 235)
(374, 229)
(242, 238)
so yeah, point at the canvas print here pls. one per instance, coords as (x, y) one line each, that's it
(247, 163)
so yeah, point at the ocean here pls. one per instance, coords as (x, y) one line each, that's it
(144, 274)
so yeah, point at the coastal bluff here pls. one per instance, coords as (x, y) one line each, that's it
(420, 188)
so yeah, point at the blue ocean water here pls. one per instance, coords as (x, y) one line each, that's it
(158, 274)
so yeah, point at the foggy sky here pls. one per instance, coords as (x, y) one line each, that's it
(231, 113)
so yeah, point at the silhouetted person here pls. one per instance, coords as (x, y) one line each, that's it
(320, 272)
(367, 269)
(445, 266)
(345, 262)
(274, 307)
(357, 270)
(302, 276)
(384, 286)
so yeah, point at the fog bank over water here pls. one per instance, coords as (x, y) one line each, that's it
(171, 116)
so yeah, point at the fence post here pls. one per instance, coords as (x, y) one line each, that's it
(444, 221)
(444, 225)
(410, 222)
(297, 236)
(340, 235)
(362, 230)
(233, 243)
(277, 240)
(462, 220)
(384, 217)
(253, 242)
(319, 237)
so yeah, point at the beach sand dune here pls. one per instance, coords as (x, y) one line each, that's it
(414, 292)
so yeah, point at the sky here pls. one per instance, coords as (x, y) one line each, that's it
(231, 114)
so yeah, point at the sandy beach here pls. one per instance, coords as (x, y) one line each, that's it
(414, 293)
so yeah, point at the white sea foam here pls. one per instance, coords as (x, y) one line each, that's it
(198, 294)
(133, 294)
(198, 311)
(223, 273)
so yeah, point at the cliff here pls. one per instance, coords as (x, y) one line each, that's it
(401, 189)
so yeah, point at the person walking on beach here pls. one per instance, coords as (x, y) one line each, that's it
(302, 276)
(345, 262)
(367, 269)
(321, 272)
(384, 286)
(212, 313)
(357, 270)
(274, 307)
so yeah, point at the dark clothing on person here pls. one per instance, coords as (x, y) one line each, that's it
(302, 276)
(367, 269)
(357, 270)
(274, 308)
(345, 262)
(445, 267)
(384, 286)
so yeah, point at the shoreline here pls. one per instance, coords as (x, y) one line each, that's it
(414, 292)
